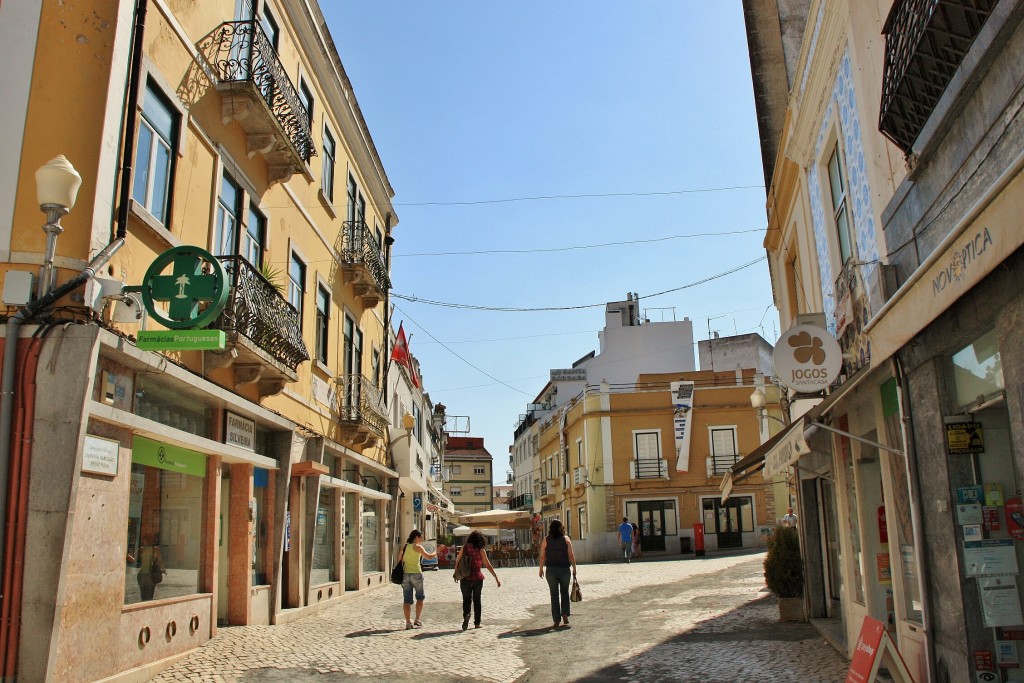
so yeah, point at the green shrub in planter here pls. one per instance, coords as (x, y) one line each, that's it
(783, 568)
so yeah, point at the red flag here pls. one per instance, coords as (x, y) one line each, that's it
(400, 354)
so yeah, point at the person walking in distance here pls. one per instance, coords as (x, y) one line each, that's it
(472, 586)
(789, 519)
(557, 557)
(626, 539)
(413, 578)
(637, 551)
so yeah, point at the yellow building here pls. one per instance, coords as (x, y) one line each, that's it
(620, 451)
(469, 485)
(172, 490)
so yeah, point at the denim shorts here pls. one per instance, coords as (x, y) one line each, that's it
(409, 582)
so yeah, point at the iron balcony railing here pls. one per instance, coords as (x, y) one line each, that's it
(650, 469)
(720, 464)
(360, 401)
(925, 41)
(257, 311)
(240, 52)
(359, 248)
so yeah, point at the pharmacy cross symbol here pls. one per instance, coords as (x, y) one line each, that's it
(195, 291)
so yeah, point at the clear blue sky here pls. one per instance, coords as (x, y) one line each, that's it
(475, 107)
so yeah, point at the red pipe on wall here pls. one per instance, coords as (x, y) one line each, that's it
(17, 508)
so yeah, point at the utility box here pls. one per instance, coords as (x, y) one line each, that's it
(18, 287)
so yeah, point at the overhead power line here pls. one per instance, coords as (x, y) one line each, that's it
(451, 351)
(514, 309)
(584, 196)
(580, 246)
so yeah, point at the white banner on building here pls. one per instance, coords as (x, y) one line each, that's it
(682, 404)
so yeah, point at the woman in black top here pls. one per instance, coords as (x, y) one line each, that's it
(557, 557)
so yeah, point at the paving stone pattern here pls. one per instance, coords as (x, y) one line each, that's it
(697, 619)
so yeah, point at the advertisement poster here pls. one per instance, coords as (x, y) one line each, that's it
(1015, 518)
(990, 515)
(1006, 654)
(970, 494)
(986, 558)
(682, 404)
(968, 513)
(994, 494)
(1000, 603)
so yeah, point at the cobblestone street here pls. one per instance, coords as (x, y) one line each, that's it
(699, 619)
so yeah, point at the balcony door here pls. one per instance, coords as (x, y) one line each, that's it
(352, 363)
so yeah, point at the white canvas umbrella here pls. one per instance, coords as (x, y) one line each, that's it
(504, 518)
(461, 531)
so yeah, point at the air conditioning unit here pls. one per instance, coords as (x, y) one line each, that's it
(580, 476)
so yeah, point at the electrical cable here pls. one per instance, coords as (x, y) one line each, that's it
(513, 309)
(578, 247)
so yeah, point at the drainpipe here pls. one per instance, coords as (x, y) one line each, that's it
(910, 463)
(7, 383)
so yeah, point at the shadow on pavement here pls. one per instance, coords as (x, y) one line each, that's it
(527, 632)
(423, 635)
(373, 632)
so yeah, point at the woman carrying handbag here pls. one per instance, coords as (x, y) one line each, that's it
(557, 557)
(469, 573)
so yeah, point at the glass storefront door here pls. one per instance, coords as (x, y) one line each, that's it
(730, 520)
(656, 519)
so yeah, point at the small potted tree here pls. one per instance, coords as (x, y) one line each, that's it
(784, 572)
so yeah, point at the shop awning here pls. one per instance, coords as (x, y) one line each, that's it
(755, 462)
(446, 509)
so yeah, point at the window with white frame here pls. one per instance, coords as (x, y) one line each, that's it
(296, 284)
(229, 210)
(840, 205)
(456, 469)
(723, 448)
(479, 470)
(255, 237)
(579, 453)
(647, 449)
(154, 157)
(480, 491)
(455, 490)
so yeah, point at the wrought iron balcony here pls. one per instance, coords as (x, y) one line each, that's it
(256, 92)
(362, 415)
(364, 264)
(925, 41)
(720, 464)
(262, 329)
(649, 469)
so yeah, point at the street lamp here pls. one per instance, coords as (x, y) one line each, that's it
(57, 184)
(759, 402)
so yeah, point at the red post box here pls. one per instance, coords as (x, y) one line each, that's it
(698, 539)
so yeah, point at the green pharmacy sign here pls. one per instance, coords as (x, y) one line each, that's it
(181, 340)
(167, 457)
(192, 288)
(195, 291)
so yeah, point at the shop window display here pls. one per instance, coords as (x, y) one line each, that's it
(323, 569)
(164, 522)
